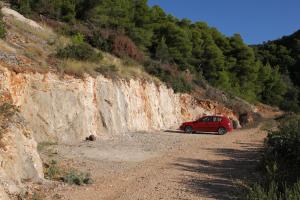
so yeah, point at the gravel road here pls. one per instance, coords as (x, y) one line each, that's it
(167, 165)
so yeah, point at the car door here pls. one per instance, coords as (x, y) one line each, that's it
(213, 126)
(202, 124)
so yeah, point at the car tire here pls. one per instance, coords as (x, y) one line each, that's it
(188, 129)
(222, 131)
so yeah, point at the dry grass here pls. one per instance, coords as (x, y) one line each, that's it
(6, 48)
(45, 34)
(41, 44)
(77, 68)
(110, 67)
(127, 69)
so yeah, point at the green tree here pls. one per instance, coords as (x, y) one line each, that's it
(162, 51)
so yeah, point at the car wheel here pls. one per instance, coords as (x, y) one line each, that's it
(188, 129)
(222, 131)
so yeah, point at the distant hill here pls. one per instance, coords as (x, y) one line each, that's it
(285, 53)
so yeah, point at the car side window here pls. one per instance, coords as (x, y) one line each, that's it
(217, 119)
(206, 119)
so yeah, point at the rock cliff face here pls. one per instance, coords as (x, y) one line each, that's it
(67, 109)
(19, 160)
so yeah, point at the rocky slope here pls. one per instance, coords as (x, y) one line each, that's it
(19, 159)
(65, 109)
(68, 109)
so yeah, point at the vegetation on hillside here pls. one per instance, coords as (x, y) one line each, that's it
(285, 53)
(2, 28)
(177, 51)
(280, 166)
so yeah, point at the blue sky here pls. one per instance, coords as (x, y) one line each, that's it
(255, 20)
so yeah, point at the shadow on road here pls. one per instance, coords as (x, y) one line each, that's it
(220, 179)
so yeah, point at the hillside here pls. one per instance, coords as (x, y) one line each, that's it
(47, 99)
(57, 87)
(180, 53)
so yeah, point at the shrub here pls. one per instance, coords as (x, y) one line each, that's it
(280, 165)
(258, 192)
(80, 51)
(76, 178)
(123, 46)
(7, 111)
(173, 79)
(52, 171)
(107, 69)
(99, 41)
(179, 84)
(2, 28)
(281, 159)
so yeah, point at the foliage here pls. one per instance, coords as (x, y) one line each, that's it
(280, 165)
(107, 69)
(2, 28)
(52, 171)
(76, 178)
(71, 176)
(258, 192)
(61, 10)
(123, 46)
(167, 74)
(79, 50)
(284, 53)
(282, 153)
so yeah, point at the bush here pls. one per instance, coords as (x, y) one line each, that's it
(258, 192)
(281, 159)
(107, 69)
(97, 40)
(2, 28)
(7, 111)
(179, 84)
(76, 178)
(52, 171)
(280, 164)
(123, 46)
(174, 80)
(80, 51)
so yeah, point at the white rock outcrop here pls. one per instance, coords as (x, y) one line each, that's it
(67, 109)
(17, 16)
(19, 159)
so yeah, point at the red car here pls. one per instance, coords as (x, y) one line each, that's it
(209, 124)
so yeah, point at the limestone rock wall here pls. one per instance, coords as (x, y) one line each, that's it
(19, 159)
(67, 109)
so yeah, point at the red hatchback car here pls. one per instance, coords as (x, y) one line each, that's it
(209, 124)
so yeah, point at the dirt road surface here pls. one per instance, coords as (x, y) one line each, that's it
(166, 165)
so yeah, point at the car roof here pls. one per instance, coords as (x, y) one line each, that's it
(213, 116)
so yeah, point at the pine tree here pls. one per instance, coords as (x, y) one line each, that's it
(162, 51)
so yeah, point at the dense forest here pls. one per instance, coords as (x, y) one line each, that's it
(179, 52)
(285, 53)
